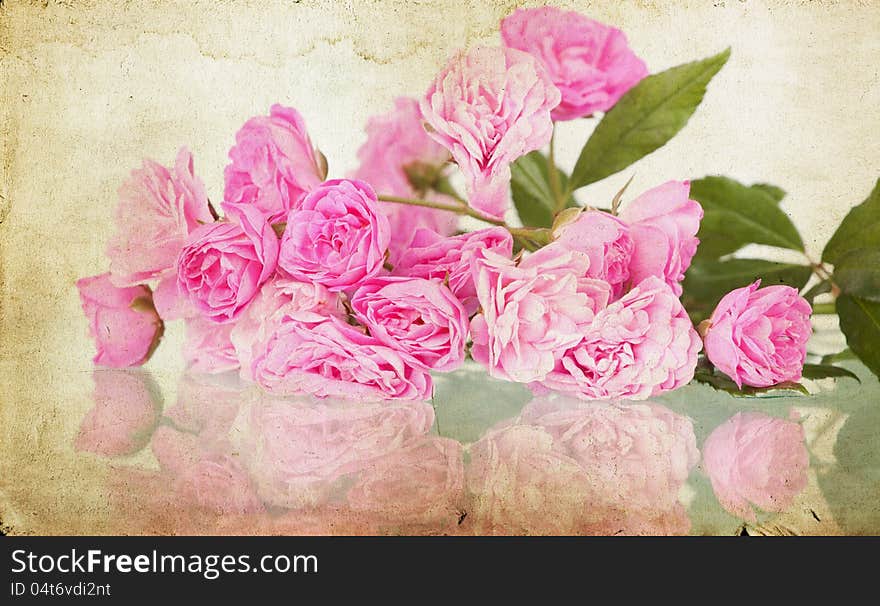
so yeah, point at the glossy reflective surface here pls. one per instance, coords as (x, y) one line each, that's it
(134, 452)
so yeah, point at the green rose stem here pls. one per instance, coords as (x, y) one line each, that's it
(531, 239)
(824, 308)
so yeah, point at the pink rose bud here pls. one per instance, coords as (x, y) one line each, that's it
(756, 459)
(663, 224)
(639, 346)
(273, 163)
(122, 321)
(400, 159)
(419, 317)
(606, 241)
(449, 260)
(223, 264)
(124, 415)
(589, 62)
(337, 238)
(759, 337)
(334, 359)
(208, 347)
(532, 311)
(488, 107)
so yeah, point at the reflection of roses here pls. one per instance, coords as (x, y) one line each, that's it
(756, 459)
(572, 467)
(298, 450)
(126, 411)
(419, 483)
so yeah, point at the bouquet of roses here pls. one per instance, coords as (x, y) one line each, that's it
(362, 287)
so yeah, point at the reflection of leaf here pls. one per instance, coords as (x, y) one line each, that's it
(859, 229)
(531, 191)
(736, 215)
(824, 371)
(645, 118)
(860, 322)
(707, 281)
(858, 273)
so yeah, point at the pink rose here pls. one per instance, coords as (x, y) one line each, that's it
(639, 346)
(400, 159)
(421, 483)
(606, 241)
(334, 359)
(532, 311)
(450, 259)
(273, 163)
(759, 337)
(337, 237)
(756, 459)
(417, 316)
(298, 451)
(488, 107)
(281, 299)
(122, 321)
(663, 224)
(589, 62)
(208, 347)
(156, 212)
(223, 264)
(124, 415)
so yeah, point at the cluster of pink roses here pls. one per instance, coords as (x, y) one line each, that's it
(309, 285)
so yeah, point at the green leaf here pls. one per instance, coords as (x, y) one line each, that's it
(722, 383)
(820, 288)
(824, 371)
(735, 215)
(645, 118)
(858, 273)
(776, 193)
(707, 281)
(532, 194)
(859, 229)
(840, 356)
(860, 322)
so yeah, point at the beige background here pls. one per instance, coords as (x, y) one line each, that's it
(90, 87)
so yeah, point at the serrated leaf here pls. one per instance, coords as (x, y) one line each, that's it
(860, 228)
(645, 118)
(860, 323)
(531, 191)
(824, 371)
(858, 273)
(706, 282)
(735, 215)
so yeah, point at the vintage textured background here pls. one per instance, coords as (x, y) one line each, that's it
(89, 87)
